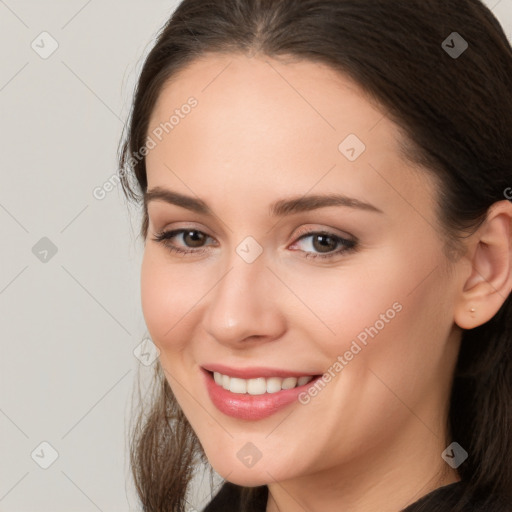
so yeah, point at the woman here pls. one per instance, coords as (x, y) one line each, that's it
(327, 264)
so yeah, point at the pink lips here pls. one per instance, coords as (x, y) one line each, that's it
(251, 407)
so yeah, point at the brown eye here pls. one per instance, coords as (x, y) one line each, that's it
(183, 241)
(324, 243)
(194, 238)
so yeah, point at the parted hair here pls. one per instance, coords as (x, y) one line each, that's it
(455, 113)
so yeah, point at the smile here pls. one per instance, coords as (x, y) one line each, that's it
(259, 386)
(254, 398)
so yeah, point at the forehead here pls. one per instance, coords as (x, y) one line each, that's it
(273, 94)
(260, 121)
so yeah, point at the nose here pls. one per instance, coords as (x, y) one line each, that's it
(244, 306)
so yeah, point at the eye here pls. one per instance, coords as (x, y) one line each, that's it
(315, 244)
(192, 240)
(322, 244)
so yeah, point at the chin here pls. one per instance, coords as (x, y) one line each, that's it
(260, 473)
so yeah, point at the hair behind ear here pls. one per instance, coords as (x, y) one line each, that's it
(481, 403)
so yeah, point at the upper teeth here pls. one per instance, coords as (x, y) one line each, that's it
(260, 385)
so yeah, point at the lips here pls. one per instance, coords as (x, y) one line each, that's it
(253, 407)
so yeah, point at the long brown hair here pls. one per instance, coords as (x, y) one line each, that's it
(456, 116)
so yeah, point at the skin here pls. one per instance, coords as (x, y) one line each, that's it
(264, 130)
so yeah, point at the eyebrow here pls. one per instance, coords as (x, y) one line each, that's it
(279, 208)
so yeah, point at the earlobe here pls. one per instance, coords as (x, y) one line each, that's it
(490, 280)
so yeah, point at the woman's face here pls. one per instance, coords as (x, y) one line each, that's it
(281, 281)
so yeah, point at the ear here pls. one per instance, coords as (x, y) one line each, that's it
(489, 282)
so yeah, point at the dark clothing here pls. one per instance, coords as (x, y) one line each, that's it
(443, 499)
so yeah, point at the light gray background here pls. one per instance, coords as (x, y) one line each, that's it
(69, 325)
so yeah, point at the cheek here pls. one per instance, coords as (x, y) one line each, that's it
(401, 325)
(167, 296)
(351, 301)
(388, 311)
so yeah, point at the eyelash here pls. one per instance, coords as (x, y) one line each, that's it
(347, 245)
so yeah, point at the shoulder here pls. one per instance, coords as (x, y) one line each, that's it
(449, 498)
(234, 498)
(227, 499)
(457, 497)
